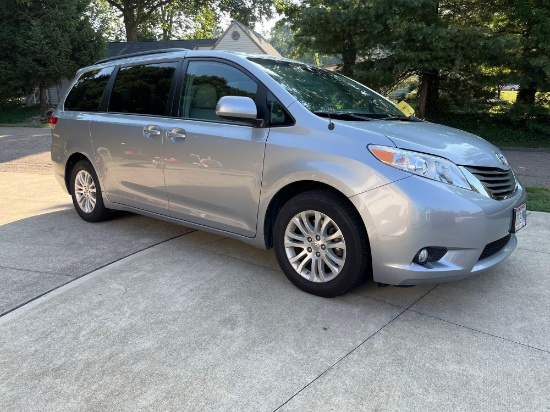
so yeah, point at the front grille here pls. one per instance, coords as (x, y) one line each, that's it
(494, 247)
(500, 184)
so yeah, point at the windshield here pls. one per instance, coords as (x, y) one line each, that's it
(324, 92)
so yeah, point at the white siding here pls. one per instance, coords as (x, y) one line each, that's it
(244, 44)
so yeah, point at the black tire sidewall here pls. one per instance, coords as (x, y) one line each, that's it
(99, 213)
(356, 251)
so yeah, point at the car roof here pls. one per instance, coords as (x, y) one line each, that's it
(178, 53)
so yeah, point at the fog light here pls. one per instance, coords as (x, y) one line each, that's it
(422, 256)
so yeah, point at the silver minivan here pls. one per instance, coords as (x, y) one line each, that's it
(282, 154)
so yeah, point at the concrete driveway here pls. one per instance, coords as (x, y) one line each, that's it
(137, 314)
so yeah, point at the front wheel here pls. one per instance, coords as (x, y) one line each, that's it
(321, 244)
(86, 193)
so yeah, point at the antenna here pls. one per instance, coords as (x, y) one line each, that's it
(330, 124)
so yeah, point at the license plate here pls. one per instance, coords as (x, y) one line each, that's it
(520, 217)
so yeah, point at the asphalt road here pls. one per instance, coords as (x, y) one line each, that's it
(138, 314)
(25, 149)
(531, 166)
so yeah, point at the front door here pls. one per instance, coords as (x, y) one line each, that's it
(213, 167)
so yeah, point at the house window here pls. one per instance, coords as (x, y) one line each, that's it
(235, 35)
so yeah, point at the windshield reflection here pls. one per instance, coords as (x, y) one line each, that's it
(322, 91)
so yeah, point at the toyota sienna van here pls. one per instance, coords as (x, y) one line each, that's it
(285, 155)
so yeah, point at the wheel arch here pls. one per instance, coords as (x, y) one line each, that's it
(70, 164)
(287, 192)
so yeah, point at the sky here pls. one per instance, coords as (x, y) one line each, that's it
(266, 25)
(263, 27)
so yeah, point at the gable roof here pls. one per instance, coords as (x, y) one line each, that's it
(256, 38)
(119, 48)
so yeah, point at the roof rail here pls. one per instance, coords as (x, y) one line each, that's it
(143, 53)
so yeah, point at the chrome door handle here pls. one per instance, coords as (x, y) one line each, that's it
(176, 135)
(151, 131)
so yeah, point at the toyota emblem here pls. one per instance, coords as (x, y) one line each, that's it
(502, 159)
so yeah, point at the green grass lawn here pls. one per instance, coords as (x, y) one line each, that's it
(37, 125)
(538, 199)
(17, 116)
(510, 96)
(498, 133)
(505, 136)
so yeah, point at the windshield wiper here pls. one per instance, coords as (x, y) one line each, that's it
(343, 116)
(403, 119)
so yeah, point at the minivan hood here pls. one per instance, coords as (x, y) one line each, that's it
(460, 147)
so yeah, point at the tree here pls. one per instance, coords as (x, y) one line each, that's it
(137, 13)
(106, 20)
(528, 22)
(382, 42)
(282, 39)
(440, 41)
(248, 12)
(48, 41)
(11, 83)
(174, 21)
(332, 27)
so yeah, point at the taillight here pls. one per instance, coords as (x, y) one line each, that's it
(53, 121)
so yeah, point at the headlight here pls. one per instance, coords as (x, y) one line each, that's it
(431, 167)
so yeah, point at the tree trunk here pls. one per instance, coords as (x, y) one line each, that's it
(131, 26)
(526, 95)
(165, 33)
(423, 87)
(43, 104)
(167, 30)
(428, 99)
(349, 56)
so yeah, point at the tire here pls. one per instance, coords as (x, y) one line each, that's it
(86, 193)
(318, 266)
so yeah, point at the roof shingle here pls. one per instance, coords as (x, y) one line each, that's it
(120, 48)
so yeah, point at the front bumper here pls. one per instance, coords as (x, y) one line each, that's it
(405, 216)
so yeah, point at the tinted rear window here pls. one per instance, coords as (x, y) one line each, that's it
(87, 92)
(143, 89)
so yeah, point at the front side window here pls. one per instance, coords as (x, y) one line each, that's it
(207, 82)
(143, 89)
(87, 92)
(322, 91)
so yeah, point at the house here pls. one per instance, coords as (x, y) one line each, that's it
(237, 37)
(240, 38)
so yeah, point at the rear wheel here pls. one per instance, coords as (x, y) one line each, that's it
(86, 193)
(320, 243)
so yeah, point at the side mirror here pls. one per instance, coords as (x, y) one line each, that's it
(239, 108)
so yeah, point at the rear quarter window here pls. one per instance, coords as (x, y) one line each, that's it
(87, 91)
